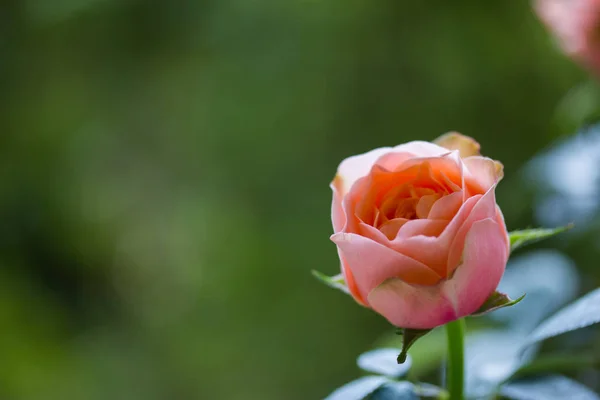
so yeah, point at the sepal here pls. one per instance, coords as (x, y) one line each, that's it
(336, 281)
(496, 301)
(409, 337)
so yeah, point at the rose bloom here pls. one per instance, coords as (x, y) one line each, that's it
(576, 24)
(419, 235)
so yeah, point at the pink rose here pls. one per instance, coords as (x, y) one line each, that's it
(419, 235)
(576, 24)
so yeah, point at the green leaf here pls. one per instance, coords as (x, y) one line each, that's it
(495, 301)
(550, 280)
(491, 357)
(358, 389)
(336, 282)
(583, 312)
(557, 363)
(408, 391)
(553, 387)
(395, 391)
(409, 337)
(526, 236)
(383, 362)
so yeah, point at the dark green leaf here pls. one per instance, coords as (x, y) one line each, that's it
(383, 362)
(583, 312)
(409, 337)
(526, 236)
(495, 301)
(395, 391)
(336, 282)
(358, 389)
(553, 387)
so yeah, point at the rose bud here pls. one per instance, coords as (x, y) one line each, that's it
(576, 24)
(419, 235)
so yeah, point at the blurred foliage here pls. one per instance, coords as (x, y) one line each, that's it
(164, 173)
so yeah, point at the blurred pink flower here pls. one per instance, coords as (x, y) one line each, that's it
(576, 24)
(419, 235)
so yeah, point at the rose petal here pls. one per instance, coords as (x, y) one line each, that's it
(433, 251)
(338, 216)
(424, 307)
(411, 306)
(391, 227)
(391, 199)
(392, 161)
(372, 233)
(350, 281)
(422, 227)
(425, 204)
(485, 208)
(372, 263)
(484, 171)
(455, 141)
(502, 225)
(401, 153)
(450, 165)
(484, 260)
(451, 187)
(369, 191)
(447, 206)
(355, 167)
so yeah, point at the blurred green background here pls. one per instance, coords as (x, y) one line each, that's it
(164, 171)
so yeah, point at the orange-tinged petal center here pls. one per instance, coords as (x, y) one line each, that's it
(395, 197)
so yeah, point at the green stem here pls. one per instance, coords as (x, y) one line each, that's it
(455, 374)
